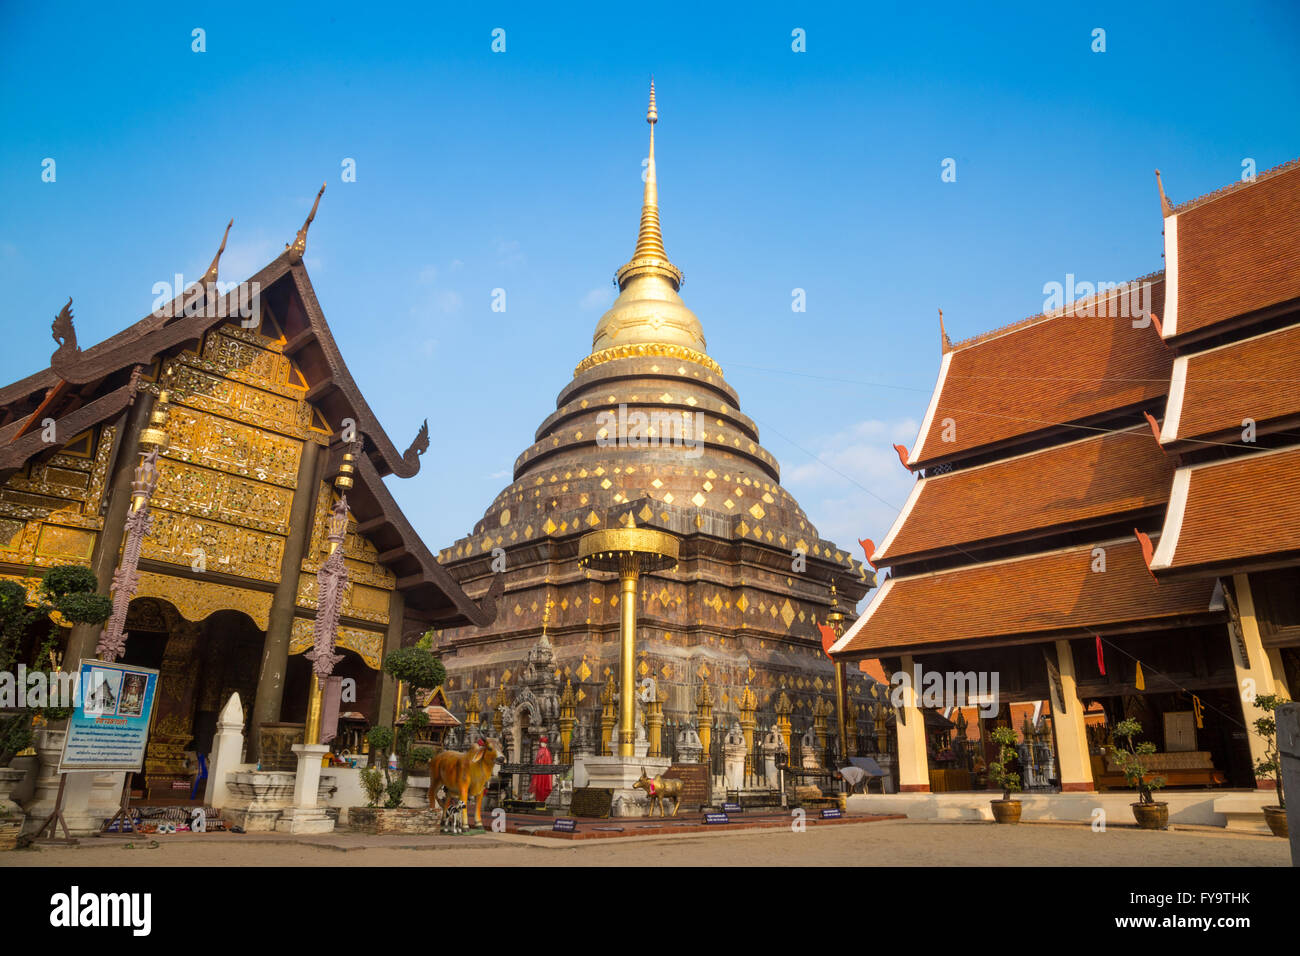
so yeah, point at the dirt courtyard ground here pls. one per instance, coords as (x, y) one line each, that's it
(881, 843)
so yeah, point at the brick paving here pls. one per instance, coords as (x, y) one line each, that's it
(878, 843)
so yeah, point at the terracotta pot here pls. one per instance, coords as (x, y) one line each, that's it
(1006, 811)
(1275, 817)
(1151, 816)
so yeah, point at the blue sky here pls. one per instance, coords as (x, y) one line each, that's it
(521, 170)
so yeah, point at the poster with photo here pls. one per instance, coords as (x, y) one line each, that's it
(109, 728)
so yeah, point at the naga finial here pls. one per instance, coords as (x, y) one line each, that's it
(299, 244)
(210, 276)
(63, 330)
(1165, 205)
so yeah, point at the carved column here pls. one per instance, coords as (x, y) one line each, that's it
(748, 704)
(568, 708)
(108, 543)
(608, 717)
(392, 641)
(654, 721)
(704, 713)
(275, 652)
(783, 710)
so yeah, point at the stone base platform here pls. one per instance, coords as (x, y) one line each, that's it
(619, 774)
(1237, 810)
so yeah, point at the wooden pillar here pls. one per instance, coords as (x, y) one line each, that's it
(1072, 761)
(275, 651)
(913, 761)
(392, 641)
(108, 543)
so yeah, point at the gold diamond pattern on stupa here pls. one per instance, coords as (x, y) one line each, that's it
(656, 484)
(699, 500)
(584, 672)
(757, 511)
(645, 514)
(787, 613)
(549, 527)
(606, 484)
(742, 603)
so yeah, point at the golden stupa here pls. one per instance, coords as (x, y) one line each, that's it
(649, 433)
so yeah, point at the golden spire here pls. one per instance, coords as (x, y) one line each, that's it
(650, 239)
(648, 310)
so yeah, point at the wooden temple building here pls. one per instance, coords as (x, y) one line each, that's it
(261, 412)
(739, 613)
(1107, 505)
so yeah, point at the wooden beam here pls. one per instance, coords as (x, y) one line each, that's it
(392, 554)
(300, 341)
(315, 393)
(372, 524)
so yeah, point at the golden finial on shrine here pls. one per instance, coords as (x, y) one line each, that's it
(343, 480)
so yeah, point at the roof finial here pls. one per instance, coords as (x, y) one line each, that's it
(649, 239)
(299, 245)
(1165, 205)
(210, 276)
(947, 342)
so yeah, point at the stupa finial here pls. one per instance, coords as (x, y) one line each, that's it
(649, 239)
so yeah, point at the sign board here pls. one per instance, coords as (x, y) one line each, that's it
(591, 802)
(696, 785)
(565, 825)
(109, 727)
(716, 818)
(831, 814)
(731, 808)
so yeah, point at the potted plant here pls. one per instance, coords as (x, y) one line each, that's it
(421, 671)
(1150, 815)
(1271, 765)
(69, 590)
(1005, 810)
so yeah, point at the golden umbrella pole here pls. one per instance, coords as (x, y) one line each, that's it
(628, 551)
(836, 620)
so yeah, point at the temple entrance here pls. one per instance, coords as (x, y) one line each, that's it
(361, 687)
(201, 664)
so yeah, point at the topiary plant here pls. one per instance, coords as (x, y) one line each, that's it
(1266, 727)
(420, 670)
(1008, 780)
(417, 667)
(1129, 760)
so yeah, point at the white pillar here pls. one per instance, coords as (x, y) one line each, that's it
(913, 762)
(227, 752)
(1255, 672)
(306, 815)
(1071, 737)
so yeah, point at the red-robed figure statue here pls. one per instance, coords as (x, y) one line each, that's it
(542, 781)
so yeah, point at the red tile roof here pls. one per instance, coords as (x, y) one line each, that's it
(1234, 253)
(1242, 514)
(1041, 373)
(1041, 596)
(1257, 378)
(1110, 475)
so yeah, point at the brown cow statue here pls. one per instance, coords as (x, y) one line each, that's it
(659, 787)
(465, 775)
